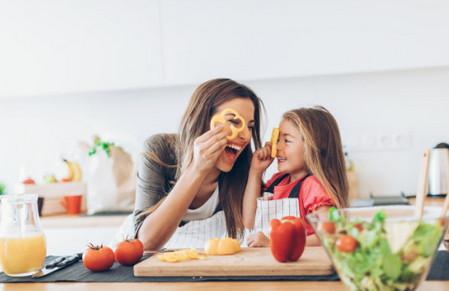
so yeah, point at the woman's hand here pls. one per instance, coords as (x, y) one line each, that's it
(262, 159)
(257, 240)
(208, 147)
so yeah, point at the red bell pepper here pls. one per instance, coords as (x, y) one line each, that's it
(288, 238)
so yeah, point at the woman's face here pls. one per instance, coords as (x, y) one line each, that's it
(234, 148)
(290, 154)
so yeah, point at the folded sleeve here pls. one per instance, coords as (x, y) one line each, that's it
(313, 197)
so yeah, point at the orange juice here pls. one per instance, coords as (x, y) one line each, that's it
(22, 255)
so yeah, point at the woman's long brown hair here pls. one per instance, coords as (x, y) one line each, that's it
(196, 121)
(323, 152)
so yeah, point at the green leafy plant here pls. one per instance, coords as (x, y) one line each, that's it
(100, 144)
(2, 189)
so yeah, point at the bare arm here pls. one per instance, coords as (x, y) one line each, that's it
(313, 240)
(260, 162)
(159, 226)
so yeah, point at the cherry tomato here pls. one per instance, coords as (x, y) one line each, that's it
(129, 252)
(359, 227)
(328, 227)
(98, 258)
(346, 244)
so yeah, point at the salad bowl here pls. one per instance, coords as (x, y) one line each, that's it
(380, 248)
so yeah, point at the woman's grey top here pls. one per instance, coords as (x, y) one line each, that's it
(154, 181)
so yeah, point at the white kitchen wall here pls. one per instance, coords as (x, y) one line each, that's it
(386, 119)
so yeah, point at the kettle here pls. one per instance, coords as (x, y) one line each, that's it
(439, 170)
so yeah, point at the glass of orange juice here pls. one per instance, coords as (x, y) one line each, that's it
(22, 241)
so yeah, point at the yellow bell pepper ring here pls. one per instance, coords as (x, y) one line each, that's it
(221, 118)
(274, 142)
(180, 256)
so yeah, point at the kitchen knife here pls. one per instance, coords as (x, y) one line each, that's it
(57, 264)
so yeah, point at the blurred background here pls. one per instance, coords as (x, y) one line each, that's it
(125, 70)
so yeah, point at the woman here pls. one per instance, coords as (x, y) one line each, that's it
(199, 174)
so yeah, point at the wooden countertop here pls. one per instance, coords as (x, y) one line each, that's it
(206, 286)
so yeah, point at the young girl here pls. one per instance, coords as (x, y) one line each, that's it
(311, 168)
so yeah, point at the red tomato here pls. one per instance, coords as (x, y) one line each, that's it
(359, 227)
(98, 258)
(328, 227)
(346, 244)
(129, 252)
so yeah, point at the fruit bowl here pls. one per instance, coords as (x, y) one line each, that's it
(380, 248)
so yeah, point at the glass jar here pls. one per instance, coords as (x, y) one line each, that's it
(22, 241)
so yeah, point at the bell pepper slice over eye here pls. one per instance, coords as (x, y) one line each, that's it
(274, 142)
(288, 239)
(237, 123)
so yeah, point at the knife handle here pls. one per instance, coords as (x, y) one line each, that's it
(67, 261)
(63, 261)
(54, 262)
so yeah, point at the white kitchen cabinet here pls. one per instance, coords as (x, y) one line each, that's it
(253, 39)
(49, 47)
(64, 46)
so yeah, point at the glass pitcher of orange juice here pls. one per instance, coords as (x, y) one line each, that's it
(22, 241)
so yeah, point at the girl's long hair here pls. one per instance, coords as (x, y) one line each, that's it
(323, 152)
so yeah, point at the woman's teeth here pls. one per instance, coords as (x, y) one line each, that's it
(234, 147)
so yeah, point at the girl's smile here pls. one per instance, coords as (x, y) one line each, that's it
(290, 155)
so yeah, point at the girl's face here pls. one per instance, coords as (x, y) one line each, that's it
(245, 108)
(290, 154)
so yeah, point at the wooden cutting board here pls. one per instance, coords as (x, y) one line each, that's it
(248, 262)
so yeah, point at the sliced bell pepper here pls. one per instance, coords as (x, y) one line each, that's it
(288, 238)
(221, 118)
(274, 142)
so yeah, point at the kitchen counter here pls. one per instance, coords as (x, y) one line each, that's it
(237, 286)
(114, 221)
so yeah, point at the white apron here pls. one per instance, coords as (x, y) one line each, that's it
(195, 233)
(271, 209)
(268, 209)
(202, 225)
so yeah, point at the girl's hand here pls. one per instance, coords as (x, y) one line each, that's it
(257, 240)
(208, 147)
(262, 159)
